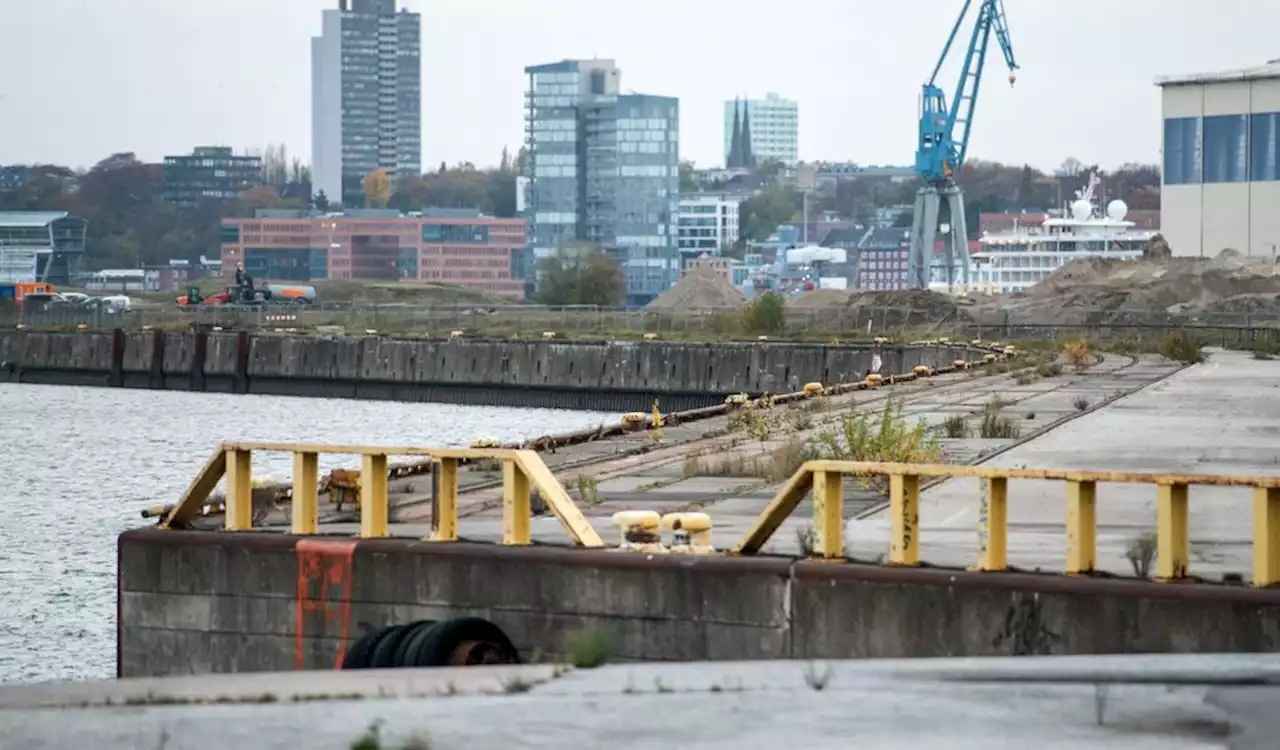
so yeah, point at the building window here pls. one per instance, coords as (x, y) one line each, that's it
(1182, 151)
(1264, 147)
(1226, 148)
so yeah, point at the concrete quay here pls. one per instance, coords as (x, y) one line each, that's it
(214, 602)
(603, 375)
(1157, 702)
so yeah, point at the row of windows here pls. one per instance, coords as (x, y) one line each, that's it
(1222, 148)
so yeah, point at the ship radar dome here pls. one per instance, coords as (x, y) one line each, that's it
(1117, 210)
(1081, 210)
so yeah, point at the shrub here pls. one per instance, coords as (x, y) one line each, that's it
(590, 649)
(766, 314)
(955, 426)
(1141, 552)
(1049, 369)
(1076, 353)
(867, 437)
(1081, 403)
(997, 426)
(1180, 347)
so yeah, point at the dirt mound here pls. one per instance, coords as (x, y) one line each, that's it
(1099, 291)
(699, 290)
(885, 309)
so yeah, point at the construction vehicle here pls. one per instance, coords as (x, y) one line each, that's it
(941, 148)
(246, 293)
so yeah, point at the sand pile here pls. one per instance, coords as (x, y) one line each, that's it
(1098, 291)
(700, 290)
(887, 309)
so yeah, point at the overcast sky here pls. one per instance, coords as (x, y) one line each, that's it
(80, 79)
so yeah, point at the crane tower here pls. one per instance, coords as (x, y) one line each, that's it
(940, 152)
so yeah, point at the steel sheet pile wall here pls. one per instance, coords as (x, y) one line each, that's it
(619, 375)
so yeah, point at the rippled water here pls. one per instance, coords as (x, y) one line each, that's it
(80, 463)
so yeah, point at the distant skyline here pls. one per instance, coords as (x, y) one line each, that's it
(158, 77)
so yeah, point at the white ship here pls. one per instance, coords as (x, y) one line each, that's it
(1018, 259)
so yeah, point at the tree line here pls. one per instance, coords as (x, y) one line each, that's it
(130, 225)
(988, 186)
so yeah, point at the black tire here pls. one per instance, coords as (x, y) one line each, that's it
(359, 653)
(464, 641)
(401, 658)
(384, 654)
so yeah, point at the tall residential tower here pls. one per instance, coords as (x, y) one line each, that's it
(366, 97)
(603, 169)
(772, 125)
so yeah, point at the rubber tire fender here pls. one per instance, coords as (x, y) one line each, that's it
(360, 652)
(435, 646)
(384, 654)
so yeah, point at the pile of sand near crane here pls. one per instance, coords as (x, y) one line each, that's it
(1100, 291)
(699, 290)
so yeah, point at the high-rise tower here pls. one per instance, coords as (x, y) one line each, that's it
(366, 97)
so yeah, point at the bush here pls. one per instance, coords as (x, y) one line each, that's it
(955, 426)
(1180, 347)
(766, 314)
(997, 426)
(590, 648)
(866, 437)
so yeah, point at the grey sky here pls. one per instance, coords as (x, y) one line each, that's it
(80, 79)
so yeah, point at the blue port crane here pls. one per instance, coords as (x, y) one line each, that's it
(945, 126)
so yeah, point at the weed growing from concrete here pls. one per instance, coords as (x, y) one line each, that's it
(517, 685)
(955, 426)
(1024, 378)
(817, 679)
(1049, 370)
(996, 425)
(371, 739)
(585, 490)
(1140, 551)
(777, 464)
(887, 437)
(590, 649)
(1081, 403)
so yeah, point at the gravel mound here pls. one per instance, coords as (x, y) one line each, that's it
(700, 290)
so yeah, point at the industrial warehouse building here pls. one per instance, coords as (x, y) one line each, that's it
(1222, 162)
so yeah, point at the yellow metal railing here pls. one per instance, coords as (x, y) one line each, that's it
(522, 472)
(824, 478)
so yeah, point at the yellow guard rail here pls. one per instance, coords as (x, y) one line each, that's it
(522, 472)
(1172, 492)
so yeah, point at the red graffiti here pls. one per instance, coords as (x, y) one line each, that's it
(324, 570)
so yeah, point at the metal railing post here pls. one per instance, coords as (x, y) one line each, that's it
(1266, 536)
(444, 520)
(305, 510)
(828, 504)
(239, 510)
(995, 556)
(373, 496)
(1173, 545)
(516, 512)
(1082, 528)
(904, 519)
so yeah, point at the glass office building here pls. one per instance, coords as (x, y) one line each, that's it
(602, 169)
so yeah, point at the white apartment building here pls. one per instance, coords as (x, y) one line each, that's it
(366, 98)
(707, 224)
(1221, 176)
(775, 128)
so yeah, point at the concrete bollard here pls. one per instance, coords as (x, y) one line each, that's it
(548, 335)
(456, 334)
(874, 380)
(762, 338)
(813, 389)
(371, 332)
(922, 371)
(960, 364)
(633, 421)
(691, 533)
(639, 531)
(988, 358)
(1011, 352)
(650, 337)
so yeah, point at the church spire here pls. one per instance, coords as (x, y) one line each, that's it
(748, 155)
(734, 158)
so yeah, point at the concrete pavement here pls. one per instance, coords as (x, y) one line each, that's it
(1220, 417)
(1135, 702)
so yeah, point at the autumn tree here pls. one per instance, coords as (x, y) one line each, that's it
(377, 189)
(581, 275)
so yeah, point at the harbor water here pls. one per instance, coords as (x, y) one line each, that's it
(81, 463)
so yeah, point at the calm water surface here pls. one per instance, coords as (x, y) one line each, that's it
(80, 463)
